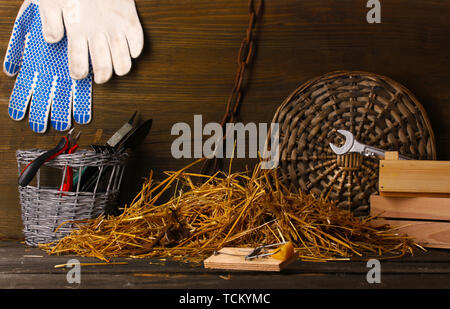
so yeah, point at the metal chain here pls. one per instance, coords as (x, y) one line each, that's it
(244, 59)
(245, 56)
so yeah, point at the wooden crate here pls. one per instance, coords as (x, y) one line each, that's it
(427, 219)
(414, 177)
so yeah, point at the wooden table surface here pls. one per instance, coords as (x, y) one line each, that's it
(30, 268)
(189, 63)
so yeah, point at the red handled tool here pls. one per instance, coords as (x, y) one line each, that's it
(68, 181)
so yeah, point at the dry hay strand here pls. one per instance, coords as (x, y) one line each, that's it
(229, 209)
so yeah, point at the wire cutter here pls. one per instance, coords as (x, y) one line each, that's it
(32, 168)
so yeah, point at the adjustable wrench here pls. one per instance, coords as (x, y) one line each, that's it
(352, 145)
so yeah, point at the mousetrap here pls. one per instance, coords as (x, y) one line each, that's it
(256, 259)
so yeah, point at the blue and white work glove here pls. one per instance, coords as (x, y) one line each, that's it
(43, 82)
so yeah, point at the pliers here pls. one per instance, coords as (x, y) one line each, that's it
(67, 143)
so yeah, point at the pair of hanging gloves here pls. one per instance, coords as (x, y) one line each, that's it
(58, 46)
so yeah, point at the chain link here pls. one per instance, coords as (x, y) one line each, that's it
(244, 59)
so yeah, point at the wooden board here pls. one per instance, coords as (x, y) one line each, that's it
(31, 268)
(426, 208)
(428, 234)
(234, 259)
(189, 63)
(411, 176)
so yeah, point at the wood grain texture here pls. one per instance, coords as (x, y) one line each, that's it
(189, 63)
(428, 234)
(234, 258)
(415, 176)
(29, 268)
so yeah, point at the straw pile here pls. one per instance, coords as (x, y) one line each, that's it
(229, 209)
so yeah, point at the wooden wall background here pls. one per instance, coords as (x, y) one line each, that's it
(189, 63)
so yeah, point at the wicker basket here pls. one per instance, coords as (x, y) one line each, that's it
(48, 213)
(377, 110)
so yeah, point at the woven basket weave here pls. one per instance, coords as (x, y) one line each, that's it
(48, 213)
(377, 110)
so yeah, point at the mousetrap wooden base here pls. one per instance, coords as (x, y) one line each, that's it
(234, 259)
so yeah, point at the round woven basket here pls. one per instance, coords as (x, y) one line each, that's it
(377, 110)
(48, 214)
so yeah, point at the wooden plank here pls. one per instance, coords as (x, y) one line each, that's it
(391, 155)
(222, 281)
(11, 252)
(416, 176)
(426, 233)
(234, 258)
(19, 270)
(428, 208)
(415, 194)
(15, 258)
